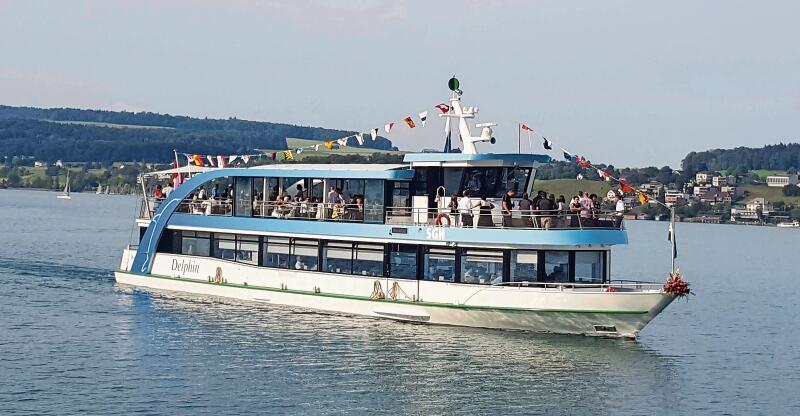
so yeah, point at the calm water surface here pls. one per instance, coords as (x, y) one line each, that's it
(71, 342)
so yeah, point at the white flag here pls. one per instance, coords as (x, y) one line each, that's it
(423, 116)
(245, 158)
(343, 141)
(299, 150)
(316, 148)
(388, 127)
(374, 134)
(232, 158)
(211, 160)
(360, 138)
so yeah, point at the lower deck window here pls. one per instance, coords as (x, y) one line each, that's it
(196, 243)
(247, 249)
(440, 265)
(225, 246)
(305, 255)
(524, 266)
(403, 261)
(589, 267)
(276, 252)
(556, 266)
(368, 260)
(482, 267)
(337, 257)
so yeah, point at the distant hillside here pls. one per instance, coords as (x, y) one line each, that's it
(780, 157)
(106, 136)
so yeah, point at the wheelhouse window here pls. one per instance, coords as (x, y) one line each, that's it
(305, 255)
(337, 257)
(224, 246)
(524, 266)
(439, 264)
(402, 261)
(482, 267)
(276, 252)
(373, 201)
(247, 249)
(196, 243)
(556, 266)
(368, 259)
(244, 197)
(515, 178)
(589, 266)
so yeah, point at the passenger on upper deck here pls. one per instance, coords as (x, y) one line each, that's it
(545, 211)
(507, 206)
(159, 193)
(485, 216)
(465, 206)
(525, 211)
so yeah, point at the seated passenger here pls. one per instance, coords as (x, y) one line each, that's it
(558, 275)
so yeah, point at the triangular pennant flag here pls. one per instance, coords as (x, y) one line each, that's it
(644, 199)
(547, 143)
(343, 141)
(316, 148)
(198, 160)
(423, 116)
(287, 155)
(388, 127)
(626, 188)
(567, 156)
(211, 160)
(585, 163)
(524, 127)
(360, 138)
(671, 238)
(443, 107)
(299, 150)
(328, 144)
(221, 161)
(189, 159)
(232, 158)
(374, 134)
(601, 174)
(245, 158)
(410, 122)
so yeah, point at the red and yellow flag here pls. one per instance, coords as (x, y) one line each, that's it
(198, 160)
(643, 198)
(410, 122)
(626, 188)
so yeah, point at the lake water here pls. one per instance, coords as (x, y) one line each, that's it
(72, 342)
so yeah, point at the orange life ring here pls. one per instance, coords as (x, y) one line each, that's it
(441, 217)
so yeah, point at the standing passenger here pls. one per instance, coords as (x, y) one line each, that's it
(507, 206)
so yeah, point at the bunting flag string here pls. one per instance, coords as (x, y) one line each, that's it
(221, 161)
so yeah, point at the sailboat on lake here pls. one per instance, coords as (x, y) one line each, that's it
(65, 194)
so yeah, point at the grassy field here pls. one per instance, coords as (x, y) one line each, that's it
(295, 143)
(772, 194)
(570, 187)
(763, 173)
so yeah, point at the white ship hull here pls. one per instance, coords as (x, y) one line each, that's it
(558, 309)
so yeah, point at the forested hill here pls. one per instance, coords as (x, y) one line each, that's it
(742, 159)
(107, 136)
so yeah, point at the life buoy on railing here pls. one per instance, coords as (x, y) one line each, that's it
(441, 218)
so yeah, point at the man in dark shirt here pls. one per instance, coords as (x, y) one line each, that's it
(507, 206)
(525, 211)
(545, 207)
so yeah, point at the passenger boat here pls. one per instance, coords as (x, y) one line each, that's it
(380, 241)
(789, 224)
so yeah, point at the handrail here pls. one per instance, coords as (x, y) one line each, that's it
(378, 214)
(616, 284)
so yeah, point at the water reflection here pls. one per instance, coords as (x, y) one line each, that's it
(341, 362)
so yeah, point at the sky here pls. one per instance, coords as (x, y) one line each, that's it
(627, 83)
